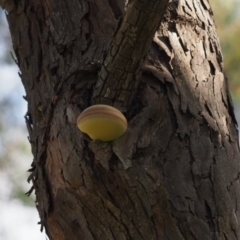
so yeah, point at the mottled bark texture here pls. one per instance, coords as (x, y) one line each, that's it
(175, 173)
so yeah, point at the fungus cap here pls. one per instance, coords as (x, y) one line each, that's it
(102, 122)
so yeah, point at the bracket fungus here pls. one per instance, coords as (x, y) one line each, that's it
(102, 122)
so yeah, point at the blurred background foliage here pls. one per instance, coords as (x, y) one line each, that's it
(227, 19)
(15, 153)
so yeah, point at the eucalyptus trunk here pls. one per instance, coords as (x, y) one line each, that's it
(175, 173)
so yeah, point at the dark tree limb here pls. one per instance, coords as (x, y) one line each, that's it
(121, 69)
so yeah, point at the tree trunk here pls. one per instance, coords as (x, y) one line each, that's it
(175, 173)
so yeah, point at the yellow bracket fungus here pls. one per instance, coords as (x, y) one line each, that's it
(102, 122)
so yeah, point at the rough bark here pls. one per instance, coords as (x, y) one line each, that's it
(121, 70)
(175, 173)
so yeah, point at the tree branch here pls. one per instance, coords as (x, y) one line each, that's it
(8, 5)
(121, 70)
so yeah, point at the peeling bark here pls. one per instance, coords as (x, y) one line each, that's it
(175, 173)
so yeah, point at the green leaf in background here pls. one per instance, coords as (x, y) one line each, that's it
(227, 19)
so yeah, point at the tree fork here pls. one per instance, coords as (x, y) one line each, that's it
(175, 173)
(121, 70)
